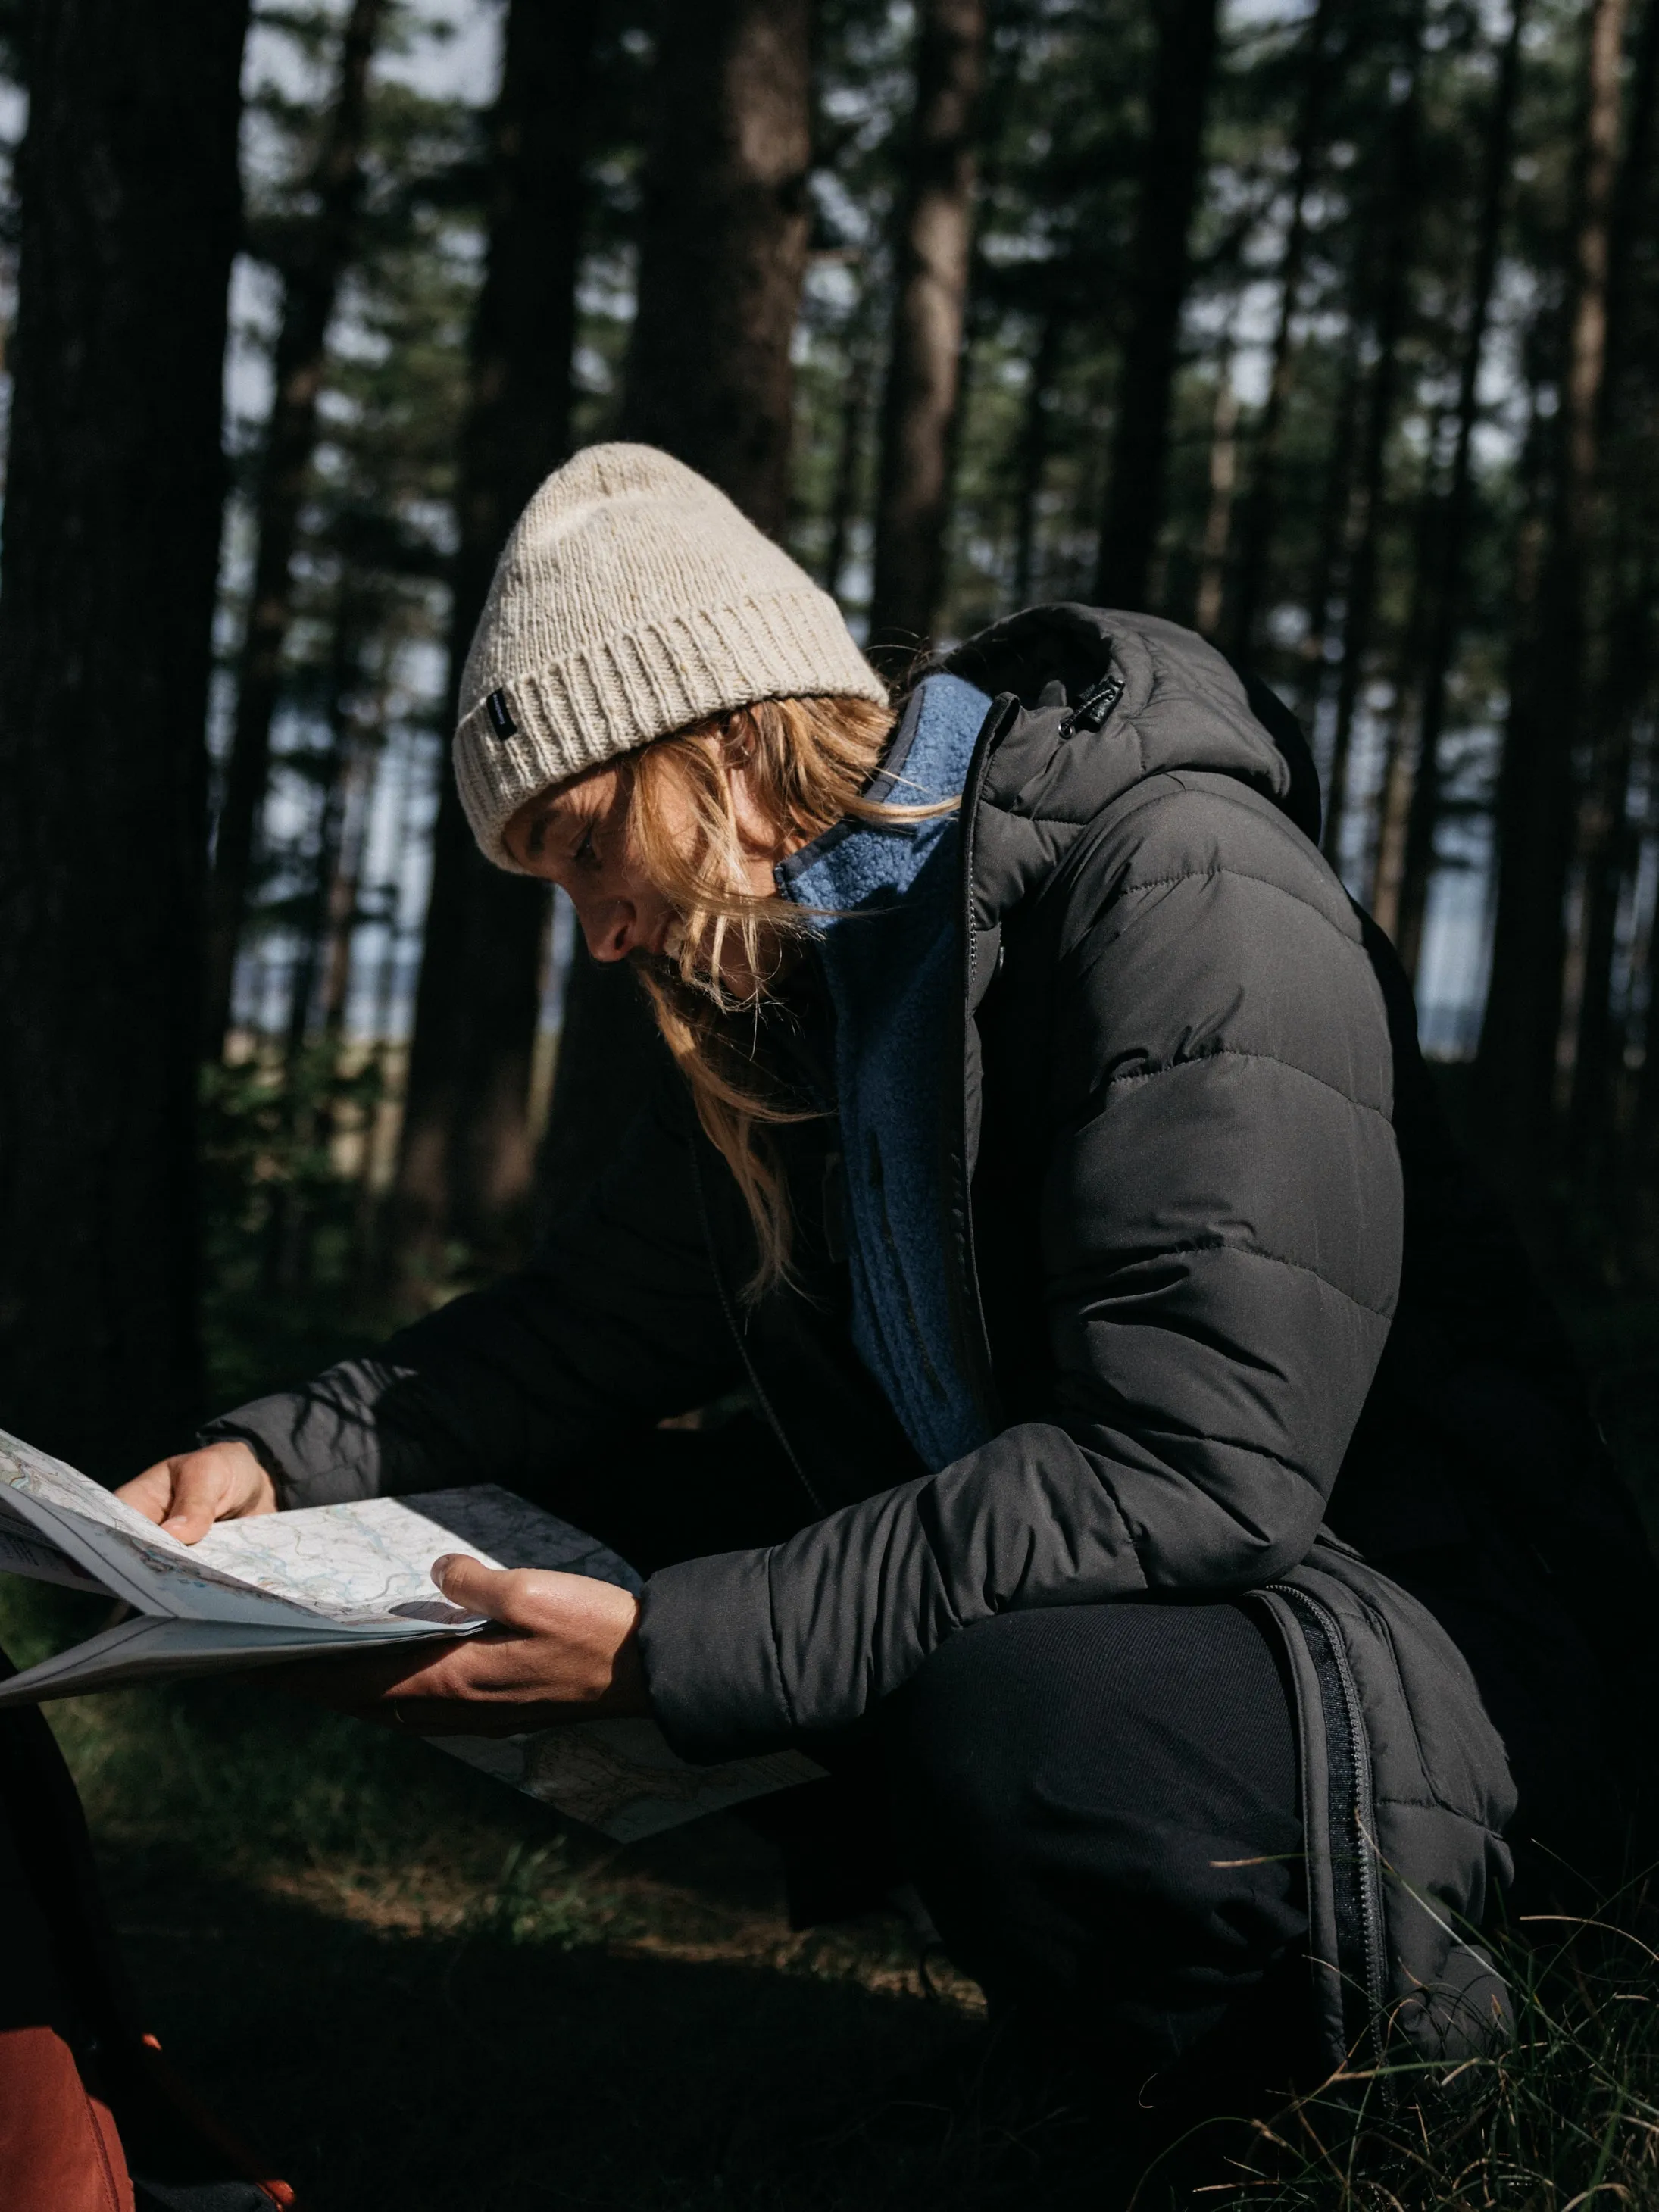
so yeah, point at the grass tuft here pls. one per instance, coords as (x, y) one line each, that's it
(1569, 2114)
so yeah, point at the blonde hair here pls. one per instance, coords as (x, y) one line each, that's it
(806, 763)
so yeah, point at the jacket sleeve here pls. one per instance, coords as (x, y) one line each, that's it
(1221, 1246)
(616, 1324)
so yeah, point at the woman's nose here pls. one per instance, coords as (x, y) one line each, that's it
(609, 930)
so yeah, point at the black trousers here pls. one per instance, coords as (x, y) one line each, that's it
(1097, 1804)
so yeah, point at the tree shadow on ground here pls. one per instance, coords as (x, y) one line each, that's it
(469, 2073)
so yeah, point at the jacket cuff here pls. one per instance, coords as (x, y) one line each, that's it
(281, 1431)
(711, 1661)
(230, 1429)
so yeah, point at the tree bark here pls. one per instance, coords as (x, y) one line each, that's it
(1260, 517)
(1394, 796)
(1642, 1146)
(310, 954)
(346, 882)
(304, 1114)
(723, 253)
(931, 261)
(130, 215)
(1611, 848)
(1032, 457)
(1219, 519)
(313, 263)
(1611, 844)
(1403, 189)
(1516, 1065)
(1445, 614)
(723, 246)
(1336, 497)
(466, 1156)
(1159, 267)
(850, 442)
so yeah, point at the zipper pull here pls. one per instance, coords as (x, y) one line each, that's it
(1092, 708)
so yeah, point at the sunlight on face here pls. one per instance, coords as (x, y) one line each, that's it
(575, 835)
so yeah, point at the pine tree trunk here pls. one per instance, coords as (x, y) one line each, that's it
(723, 246)
(466, 1156)
(130, 215)
(1259, 519)
(1159, 262)
(346, 884)
(722, 257)
(369, 1222)
(312, 274)
(1612, 849)
(1447, 599)
(1404, 191)
(305, 1108)
(849, 451)
(1642, 1145)
(1394, 795)
(931, 258)
(1336, 497)
(1217, 521)
(1609, 840)
(313, 959)
(1517, 1066)
(1033, 457)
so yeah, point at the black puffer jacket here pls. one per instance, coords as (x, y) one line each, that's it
(1174, 1215)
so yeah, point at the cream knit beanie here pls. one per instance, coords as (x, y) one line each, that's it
(632, 599)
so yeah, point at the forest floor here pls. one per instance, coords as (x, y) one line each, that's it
(409, 1987)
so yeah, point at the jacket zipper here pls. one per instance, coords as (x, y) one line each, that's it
(1001, 718)
(1091, 712)
(1361, 1813)
(738, 1338)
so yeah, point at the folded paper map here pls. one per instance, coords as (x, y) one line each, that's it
(333, 1578)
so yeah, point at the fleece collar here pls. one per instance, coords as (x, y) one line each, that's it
(885, 901)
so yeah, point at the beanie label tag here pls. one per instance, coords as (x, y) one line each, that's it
(500, 716)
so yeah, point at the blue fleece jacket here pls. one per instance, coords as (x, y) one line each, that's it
(889, 937)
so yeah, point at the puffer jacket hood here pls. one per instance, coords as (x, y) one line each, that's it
(1148, 699)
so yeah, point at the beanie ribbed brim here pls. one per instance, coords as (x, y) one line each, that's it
(632, 600)
(622, 692)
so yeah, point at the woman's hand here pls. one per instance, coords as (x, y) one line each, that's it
(564, 1648)
(188, 1493)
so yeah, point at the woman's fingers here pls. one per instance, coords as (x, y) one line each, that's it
(193, 1489)
(538, 1600)
(188, 1493)
(200, 1497)
(494, 1683)
(151, 1492)
(183, 1495)
(478, 1588)
(560, 1647)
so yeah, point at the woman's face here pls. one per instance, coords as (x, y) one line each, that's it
(575, 835)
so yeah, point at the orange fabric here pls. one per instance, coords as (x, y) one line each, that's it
(184, 2100)
(58, 2149)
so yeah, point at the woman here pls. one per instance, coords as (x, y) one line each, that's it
(1029, 1149)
